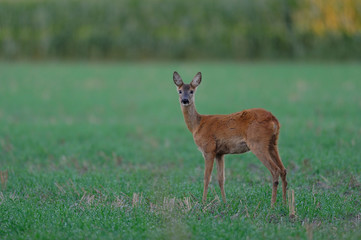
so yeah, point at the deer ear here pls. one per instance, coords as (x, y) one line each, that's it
(177, 79)
(196, 80)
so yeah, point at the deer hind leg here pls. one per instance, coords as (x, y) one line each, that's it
(262, 153)
(277, 160)
(209, 161)
(221, 176)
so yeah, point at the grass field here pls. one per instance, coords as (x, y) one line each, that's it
(93, 151)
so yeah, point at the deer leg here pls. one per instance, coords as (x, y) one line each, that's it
(209, 160)
(277, 160)
(284, 185)
(264, 156)
(220, 173)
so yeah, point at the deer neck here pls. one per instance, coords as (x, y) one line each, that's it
(191, 117)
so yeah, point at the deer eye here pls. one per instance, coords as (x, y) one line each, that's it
(180, 91)
(191, 91)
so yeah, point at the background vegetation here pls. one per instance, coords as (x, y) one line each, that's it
(101, 151)
(90, 151)
(180, 29)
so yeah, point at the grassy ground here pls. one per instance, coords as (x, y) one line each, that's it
(102, 151)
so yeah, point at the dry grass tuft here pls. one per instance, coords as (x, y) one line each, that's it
(255, 211)
(212, 204)
(4, 178)
(61, 189)
(185, 205)
(87, 198)
(119, 202)
(168, 204)
(117, 159)
(13, 196)
(72, 185)
(291, 203)
(309, 230)
(353, 183)
(2, 198)
(137, 199)
(6, 145)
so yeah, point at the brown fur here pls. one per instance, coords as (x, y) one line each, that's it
(253, 130)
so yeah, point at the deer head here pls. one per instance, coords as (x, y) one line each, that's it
(186, 91)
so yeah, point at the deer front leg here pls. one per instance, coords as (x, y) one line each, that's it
(220, 173)
(209, 160)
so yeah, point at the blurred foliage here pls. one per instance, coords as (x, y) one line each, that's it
(330, 16)
(180, 29)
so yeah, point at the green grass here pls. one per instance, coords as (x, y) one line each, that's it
(102, 151)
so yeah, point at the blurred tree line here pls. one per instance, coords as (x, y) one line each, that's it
(180, 29)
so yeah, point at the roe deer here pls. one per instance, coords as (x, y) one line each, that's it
(253, 130)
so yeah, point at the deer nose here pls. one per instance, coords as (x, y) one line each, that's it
(185, 101)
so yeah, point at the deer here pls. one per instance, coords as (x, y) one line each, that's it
(254, 130)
